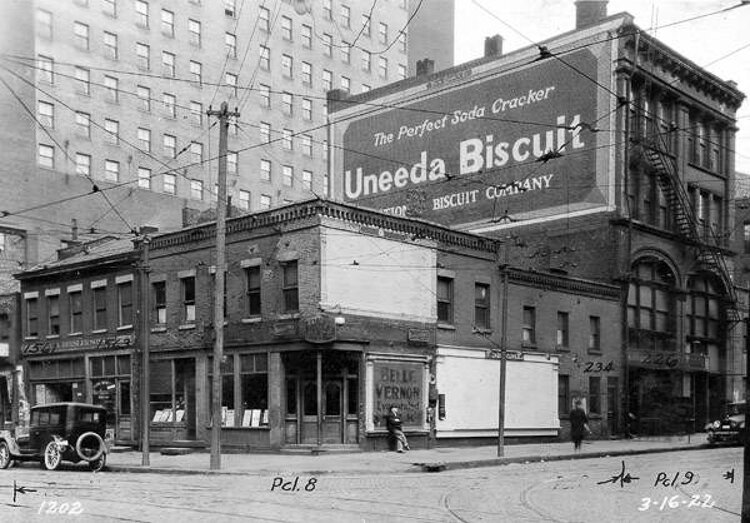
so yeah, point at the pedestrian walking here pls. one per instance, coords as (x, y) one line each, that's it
(395, 431)
(578, 425)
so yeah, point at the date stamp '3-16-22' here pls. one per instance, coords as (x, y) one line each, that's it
(677, 501)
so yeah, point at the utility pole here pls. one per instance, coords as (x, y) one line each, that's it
(746, 442)
(223, 114)
(503, 361)
(145, 352)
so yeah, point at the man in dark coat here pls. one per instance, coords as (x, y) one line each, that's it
(393, 424)
(578, 425)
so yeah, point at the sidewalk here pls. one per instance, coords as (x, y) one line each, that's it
(392, 462)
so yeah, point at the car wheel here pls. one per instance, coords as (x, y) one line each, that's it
(98, 464)
(5, 459)
(52, 456)
(90, 446)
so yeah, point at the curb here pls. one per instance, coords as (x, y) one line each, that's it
(413, 467)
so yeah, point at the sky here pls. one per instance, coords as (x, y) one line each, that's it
(720, 43)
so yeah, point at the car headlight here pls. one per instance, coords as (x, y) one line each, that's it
(717, 424)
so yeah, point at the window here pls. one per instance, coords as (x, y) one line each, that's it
(141, 13)
(46, 156)
(383, 33)
(265, 132)
(167, 64)
(100, 307)
(75, 310)
(528, 329)
(289, 286)
(196, 189)
(326, 184)
(32, 317)
(265, 170)
(445, 300)
(143, 56)
(46, 114)
(563, 332)
(383, 66)
(111, 171)
(287, 65)
(83, 164)
(229, 7)
(144, 98)
(651, 297)
(83, 82)
(81, 35)
(170, 183)
(286, 103)
(170, 146)
(110, 45)
(327, 13)
(253, 390)
(595, 333)
(112, 131)
(365, 88)
(144, 178)
(346, 83)
(265, 95)
(346, 52)
(402, 42)
(264, 18)
(327, 80)
(46, 69)
(366, 25)
(481, 306)
(595, 383)
(53, 315)
(288, 175)
(196, 113)
(306, 73)
(231, 162)
(230, 45)
(196, 152)
(111, 85)
(83, 124)
(286, 139)
(401, 71)
(194, 32)
(306, 33)
(265, 58)
(125, 304)
(704, 310)
(109, 7)
(563, 395)
(307, 148)
(159, 293)
(286, 27)
(252, 280)
(307, 177)
(231, 81)
(144, 139)
(44, 24)
(346, 16)
(170, 105)
(366, 60)
(307, 109)
(327, 44)
(244, 200)
(167, 23)
(188, 299)
(265, 202)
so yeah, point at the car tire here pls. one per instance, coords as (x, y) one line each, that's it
(52, 456)
(99, 464)
(83, 452)
(5, 458)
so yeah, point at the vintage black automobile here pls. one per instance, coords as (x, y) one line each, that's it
(59, 432)
(731, 427)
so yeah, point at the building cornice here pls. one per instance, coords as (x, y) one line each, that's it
(556, 282)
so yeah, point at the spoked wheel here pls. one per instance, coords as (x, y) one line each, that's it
(52, 456)
(99, 464)
(5, 459)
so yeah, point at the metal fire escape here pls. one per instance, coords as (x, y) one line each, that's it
(707, 243)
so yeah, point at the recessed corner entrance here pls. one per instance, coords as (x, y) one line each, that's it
(321, 397)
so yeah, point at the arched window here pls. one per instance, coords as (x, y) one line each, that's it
(704, 312)
(651, 297)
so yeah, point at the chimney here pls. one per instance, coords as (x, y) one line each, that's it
(590, 12)
(425, 67)
(493, 45)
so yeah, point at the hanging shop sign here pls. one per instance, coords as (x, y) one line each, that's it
(496, 354)
(77, 344)
(319, 329)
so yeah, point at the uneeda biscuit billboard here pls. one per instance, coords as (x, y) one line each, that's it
(476, 145)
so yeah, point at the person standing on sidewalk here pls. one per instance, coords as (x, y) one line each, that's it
(578, 425)
(395, 431)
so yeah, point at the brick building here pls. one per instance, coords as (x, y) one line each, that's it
(609, 156)
(109, 101)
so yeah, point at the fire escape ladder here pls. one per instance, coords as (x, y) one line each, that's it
(703, 239)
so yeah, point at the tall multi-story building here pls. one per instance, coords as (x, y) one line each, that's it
(108, 100)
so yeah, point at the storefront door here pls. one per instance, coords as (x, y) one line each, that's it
(309, 422)
(333, 421)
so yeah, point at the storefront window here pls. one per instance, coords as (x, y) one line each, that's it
(57, 380)
(353, 396)
(291, 396)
